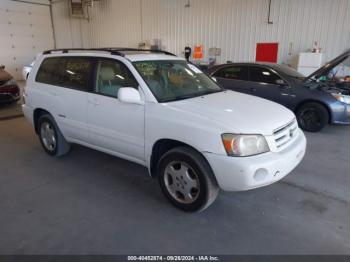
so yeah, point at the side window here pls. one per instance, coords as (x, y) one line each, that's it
(77, 72)
(50, 71)
(263, 75)
(112, 75)
(70, 72)
(233, 72)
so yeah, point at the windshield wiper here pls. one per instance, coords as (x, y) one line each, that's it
(181, 97)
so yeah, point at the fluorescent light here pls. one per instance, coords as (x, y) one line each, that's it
(120, 77)
(189, 72)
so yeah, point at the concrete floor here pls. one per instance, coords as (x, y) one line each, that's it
(92, 203)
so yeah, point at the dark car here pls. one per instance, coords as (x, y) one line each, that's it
(9, 90)
(319, 99)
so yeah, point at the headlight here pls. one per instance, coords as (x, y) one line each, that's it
(244, 145)
(11, 82)
(342, 98)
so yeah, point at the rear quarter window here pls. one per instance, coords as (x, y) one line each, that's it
(70, 72)
(48, 71)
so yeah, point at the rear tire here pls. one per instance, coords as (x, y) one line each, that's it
(312, 117)
(187, 180)
(51, 137)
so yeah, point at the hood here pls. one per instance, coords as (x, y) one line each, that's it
(4, 76)
(328, 66)
(237, 112)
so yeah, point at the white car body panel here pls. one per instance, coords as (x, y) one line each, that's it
(238, 174)
(225, 109)
(131, 130)
(116, 126)
(26, 70)
(72, 114)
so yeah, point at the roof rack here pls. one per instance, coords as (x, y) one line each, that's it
(67, 50)
(113, 50)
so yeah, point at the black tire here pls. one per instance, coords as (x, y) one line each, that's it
(312, 117)
(208, 187)
(61, 147)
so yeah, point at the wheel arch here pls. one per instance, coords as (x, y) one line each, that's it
(38, 112)
(306, 101)
(161, 146)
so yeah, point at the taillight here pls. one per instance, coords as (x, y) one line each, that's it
(9, 89)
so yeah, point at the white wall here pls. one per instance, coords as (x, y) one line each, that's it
(116, 23)
(25, 30)
(69, 32)
(234, 25)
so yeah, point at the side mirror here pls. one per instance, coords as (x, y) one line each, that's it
(281, 83)
(214, 78)
(129, 95)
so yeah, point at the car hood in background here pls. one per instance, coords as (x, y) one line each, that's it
(238, 112)
(4, 76)
(328, 66)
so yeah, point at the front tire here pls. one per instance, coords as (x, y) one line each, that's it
(312, 117)
(51, 137)
(186, 179)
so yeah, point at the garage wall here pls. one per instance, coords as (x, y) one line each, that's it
(69, 32)
(116, 23)
(25, 30)
(237, 25)
(234, 25)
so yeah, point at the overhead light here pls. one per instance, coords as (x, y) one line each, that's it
(120, 77)
(189, 72)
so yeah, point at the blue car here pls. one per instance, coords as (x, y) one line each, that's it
(317, 100)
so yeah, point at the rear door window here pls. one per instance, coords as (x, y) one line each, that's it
(233, 72)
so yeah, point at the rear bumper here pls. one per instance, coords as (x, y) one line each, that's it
(10, 94)
(244, 173)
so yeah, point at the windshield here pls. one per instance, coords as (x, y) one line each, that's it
(290, 72)
(171, 80)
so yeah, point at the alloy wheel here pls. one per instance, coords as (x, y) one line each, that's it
(182, 182)
(48, 136)
(310, 118)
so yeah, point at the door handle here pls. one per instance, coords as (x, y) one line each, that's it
(253, 89)
(53, 93)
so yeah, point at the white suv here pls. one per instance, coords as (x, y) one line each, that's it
(155, 109)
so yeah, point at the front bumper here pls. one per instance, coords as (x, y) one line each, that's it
(244, 173)
(340, 113)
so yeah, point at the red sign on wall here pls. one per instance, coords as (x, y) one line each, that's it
(266, 52)
(198, 52)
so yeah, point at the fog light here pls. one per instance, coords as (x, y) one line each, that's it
(260, 174)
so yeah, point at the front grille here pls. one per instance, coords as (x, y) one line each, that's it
(286, 134)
